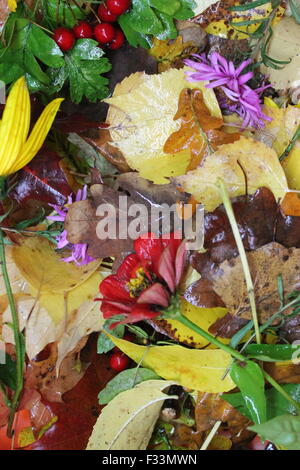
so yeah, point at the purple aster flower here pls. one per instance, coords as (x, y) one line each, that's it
(79, 250)
(240, 98)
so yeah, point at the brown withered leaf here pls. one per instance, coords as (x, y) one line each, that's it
(227, 326)
(210, 408)
(82, 219)
(200, 131)
(266, 264)
(287, 373)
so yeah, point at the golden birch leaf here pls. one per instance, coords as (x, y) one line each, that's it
(142, 119)
(259, 162)
(135, 413)
(197, 369)
(43, 269)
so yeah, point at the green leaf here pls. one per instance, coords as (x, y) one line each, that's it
(134, 38)
(8, 372)
(27, 46)
(186, 10)
(63, 12)
(169, 8)
(104, 344)
(142, 18)
(249, 378)
(272, 352)
(170, 31)
(84, 66)
(249, 5)
(276, 403)
(125, 381)
(284, 431)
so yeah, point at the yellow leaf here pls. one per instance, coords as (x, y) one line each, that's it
(291, 165)
(43, 268)
(259, 162)
(284, 45)
(203, 317)
(142, 119)
(192, 368)
(225, 27)
(135, 413)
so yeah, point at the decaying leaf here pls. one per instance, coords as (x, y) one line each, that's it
(135, 413)
(192, 368)
(284, 45)
(211, 408)
(141, 120)
(266, 264)
(230, 161)
(203, 317)
(219, 20)
(199, 131)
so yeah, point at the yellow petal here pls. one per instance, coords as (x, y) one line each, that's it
(197, 369)
(12, 5)
(38, 134)
(14, 125)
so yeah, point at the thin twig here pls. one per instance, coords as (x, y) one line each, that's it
(211, 435)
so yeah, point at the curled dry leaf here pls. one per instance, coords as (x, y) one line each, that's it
(192, 368)
(199, 131)
(284, 45)
(135, 414)
(233, 163)
(141, 120)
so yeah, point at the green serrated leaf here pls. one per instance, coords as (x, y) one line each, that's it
(134, 38)
(142, 18)
(170, 31)
(169, 8)
(186, 10)
(249, 378)
(125, 381)
(63, 12)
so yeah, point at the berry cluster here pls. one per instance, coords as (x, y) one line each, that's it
(105, 32)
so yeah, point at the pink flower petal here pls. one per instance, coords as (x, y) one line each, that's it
(156, 295)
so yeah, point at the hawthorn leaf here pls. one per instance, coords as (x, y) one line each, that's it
(229, 162)
(135, 414)
(192, 368)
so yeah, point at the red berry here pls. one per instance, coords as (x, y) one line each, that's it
(118, 7)
(118, 40)
(118, 361)
(83, 30)
(106, 15)
(64, 38)
(104, 33)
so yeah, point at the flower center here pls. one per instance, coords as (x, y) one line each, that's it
(138, 283)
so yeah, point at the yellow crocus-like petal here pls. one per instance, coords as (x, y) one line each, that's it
(14, 125)
(37, 136)
(12, 5)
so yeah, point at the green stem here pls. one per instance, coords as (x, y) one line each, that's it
(281, 390)
(243, 256)
(17, 338)
(185, 321)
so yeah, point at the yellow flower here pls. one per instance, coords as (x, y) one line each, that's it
(12, 5)
(17, 149)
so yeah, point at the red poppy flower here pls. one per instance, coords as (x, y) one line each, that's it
(146, 280)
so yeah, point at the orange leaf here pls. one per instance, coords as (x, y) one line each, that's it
(200, 131)
(291, 204)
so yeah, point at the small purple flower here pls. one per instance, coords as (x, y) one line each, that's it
(240, 98)
(79, 250)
